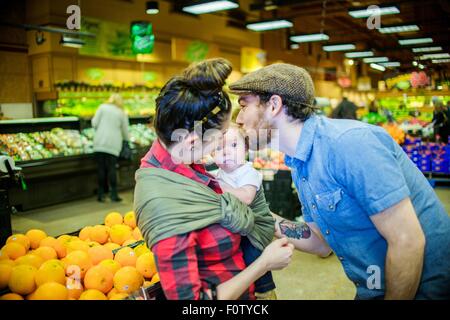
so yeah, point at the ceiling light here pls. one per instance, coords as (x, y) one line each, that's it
(210, 6)
(427, 49)
(376, 59)
(270, 25)
(399, 29)
(310, 37)
(390, 64)
(152, 7)
(295, 46)
(71, 42)
(350, 62)
(405, 42)
(434, 56)
(359, 54)
(377, 67)
(440, 60)
(421, 66)
(414, 63)
(365, 13)
(339, 47)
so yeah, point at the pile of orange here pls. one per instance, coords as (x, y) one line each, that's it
(35, 266)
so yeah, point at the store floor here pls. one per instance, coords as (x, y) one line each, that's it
(307, 277)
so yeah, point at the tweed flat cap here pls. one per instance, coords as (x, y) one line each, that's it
(278, 78)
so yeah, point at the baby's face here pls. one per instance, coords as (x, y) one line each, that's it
(230, 154)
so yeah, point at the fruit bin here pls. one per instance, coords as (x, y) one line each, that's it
(104, 262)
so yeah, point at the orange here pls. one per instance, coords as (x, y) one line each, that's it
(99, 234)
(46, 253)
(93, 244)
(22, 279)
(3, 255)
(111, 264)
(111, 246)
(50, 271)
(130, 219)
(118, 296)
(137, 234)
(35, 236)
(141, 249)
(119, 233)
(31, 260)
(155, 279)
(51, 291)
(8, 262)
(5, 274)
(20, 238)
(128, 242)
(93, 294)
(85, 233)
(11, 296)
(100, 278)
(14, 250)
(128, 280)
(111, 292)
(76, 245)
(74, 288)
(113, 218)
(55, 244)
(145, 264)
(77, 264)
(99, 253)
(126, 257)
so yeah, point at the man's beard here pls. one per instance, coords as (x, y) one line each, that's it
(261, 137)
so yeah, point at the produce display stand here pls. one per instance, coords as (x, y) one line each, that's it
(63, 178)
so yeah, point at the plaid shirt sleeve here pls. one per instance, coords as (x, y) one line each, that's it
(176, 261)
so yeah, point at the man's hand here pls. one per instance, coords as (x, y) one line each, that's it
(406, 245)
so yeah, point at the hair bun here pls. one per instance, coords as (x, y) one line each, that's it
(208, 76)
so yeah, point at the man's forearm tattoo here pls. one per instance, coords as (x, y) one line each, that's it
(295, 230)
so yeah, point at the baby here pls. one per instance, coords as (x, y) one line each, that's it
(238, 177)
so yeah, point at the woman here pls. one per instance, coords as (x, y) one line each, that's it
(193, 229)
(111, 129)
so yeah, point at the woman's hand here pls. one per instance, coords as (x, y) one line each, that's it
(277, 255)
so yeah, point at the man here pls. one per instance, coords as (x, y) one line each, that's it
(345, 110)
(361, 196)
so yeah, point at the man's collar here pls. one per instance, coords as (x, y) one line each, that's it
(305, 143)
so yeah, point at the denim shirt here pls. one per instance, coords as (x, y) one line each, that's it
(345, 171)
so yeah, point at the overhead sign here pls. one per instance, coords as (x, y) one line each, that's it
(193, 50)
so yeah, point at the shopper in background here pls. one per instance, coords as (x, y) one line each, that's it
(192, 227)
(345, 110)
(441, 121)
(361, 195)
(111, 129)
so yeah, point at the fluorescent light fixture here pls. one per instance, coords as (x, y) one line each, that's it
(376, 59)
(440, 60)
(406, 42)
(270, 25)
(365, 13)
(377, 67)
(427, 49)
(399, 29)
(414, 63)
(295, 46)
(359, 54)
(390, 64)
(435, 56)
(339, 47)
(210, 6)
(71, 42)
(421, 66)
(152, 7)
(310, 37)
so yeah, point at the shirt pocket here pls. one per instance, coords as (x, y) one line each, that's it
(328, 201)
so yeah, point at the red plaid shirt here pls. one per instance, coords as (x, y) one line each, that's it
(189, 263)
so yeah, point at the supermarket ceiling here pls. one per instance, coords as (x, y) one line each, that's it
(430, 17)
